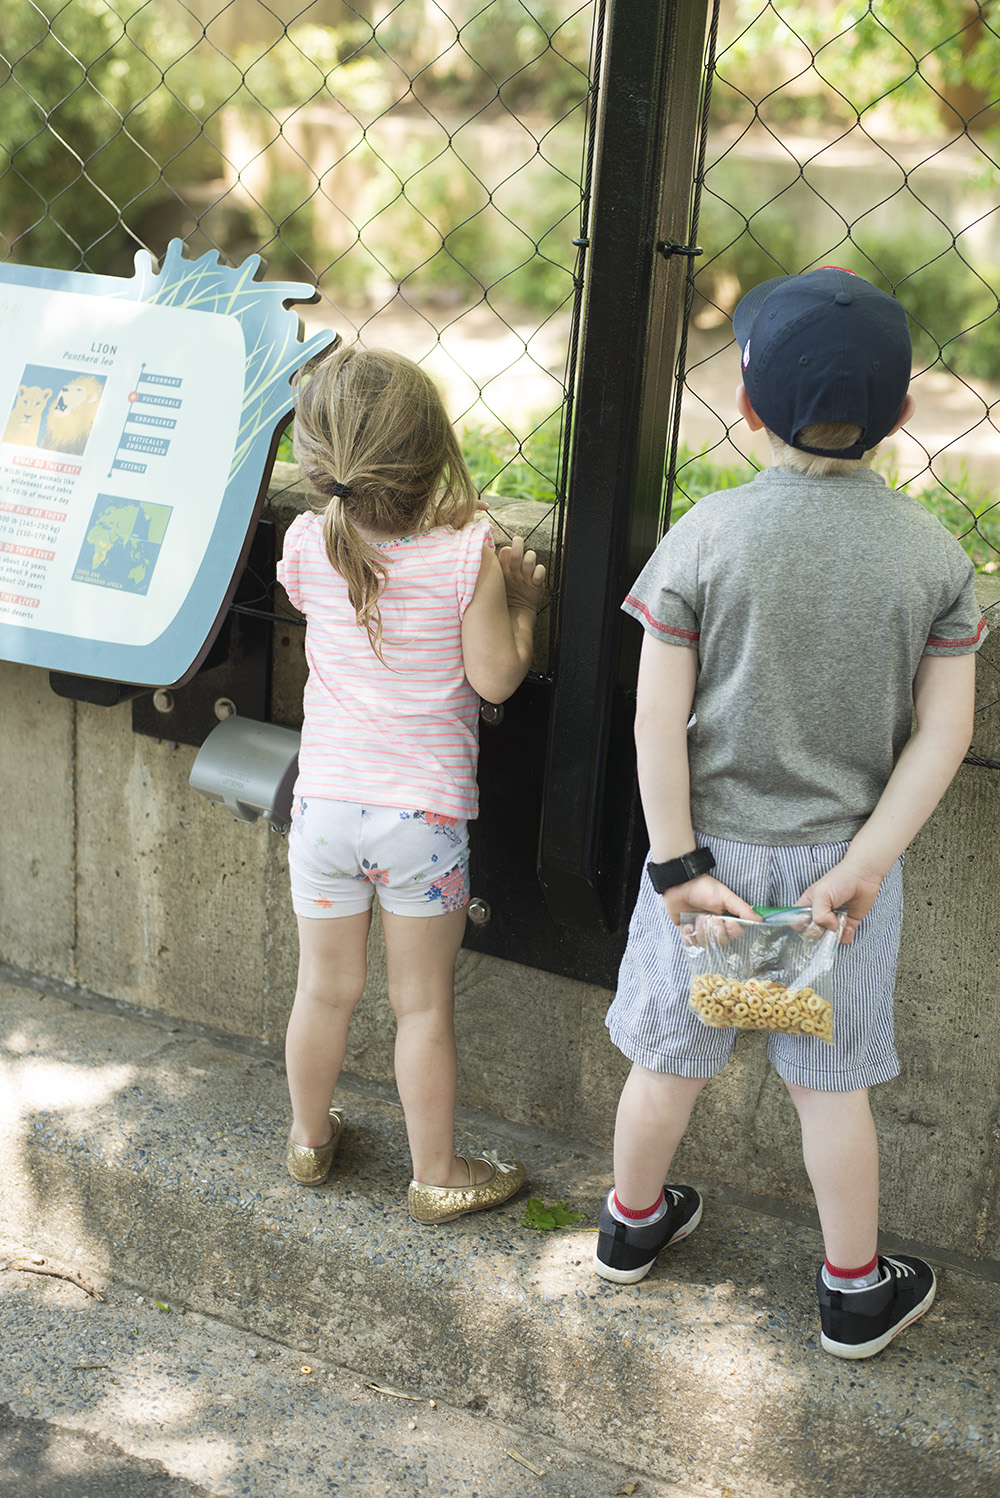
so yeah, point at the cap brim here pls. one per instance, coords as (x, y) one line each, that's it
(749, 305)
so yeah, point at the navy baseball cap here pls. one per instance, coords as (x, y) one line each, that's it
(826, 345)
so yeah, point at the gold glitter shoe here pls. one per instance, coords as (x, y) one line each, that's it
(310, 1167)
(430, 1205)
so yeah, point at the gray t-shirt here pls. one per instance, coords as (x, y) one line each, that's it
(810, 603)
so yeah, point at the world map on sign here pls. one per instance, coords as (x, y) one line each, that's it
(122, 544)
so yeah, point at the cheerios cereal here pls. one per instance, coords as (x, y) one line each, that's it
(761, 1004)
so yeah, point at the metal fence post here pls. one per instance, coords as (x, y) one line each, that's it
(649, 120)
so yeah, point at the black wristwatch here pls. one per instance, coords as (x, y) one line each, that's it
(664, 876)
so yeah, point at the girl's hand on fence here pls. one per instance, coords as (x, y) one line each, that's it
(523, 576)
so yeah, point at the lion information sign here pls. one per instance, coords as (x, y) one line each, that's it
(139, 418)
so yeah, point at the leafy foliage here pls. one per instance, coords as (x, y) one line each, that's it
(914, 56)
(503, 466)
(89, 117)
(973, 517)
(522, 54)
(512, 467)
(922, 75)
(916, 63)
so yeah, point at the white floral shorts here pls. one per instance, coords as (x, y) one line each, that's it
(339, 853)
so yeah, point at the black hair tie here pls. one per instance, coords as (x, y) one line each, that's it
(342, 491)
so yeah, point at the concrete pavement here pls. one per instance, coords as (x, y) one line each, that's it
(146, 1155)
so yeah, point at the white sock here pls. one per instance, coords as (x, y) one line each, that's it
(861, 1282)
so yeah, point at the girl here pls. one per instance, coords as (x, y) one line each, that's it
(410, 619)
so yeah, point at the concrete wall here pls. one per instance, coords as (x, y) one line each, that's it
(114, 875)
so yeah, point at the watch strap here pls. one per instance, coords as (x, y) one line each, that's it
(664, 876)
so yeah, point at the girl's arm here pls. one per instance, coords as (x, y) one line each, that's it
(667, 678)
(498, 629)
(944, 695)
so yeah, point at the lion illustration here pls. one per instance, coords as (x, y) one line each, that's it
(70, 418)
(26, 415)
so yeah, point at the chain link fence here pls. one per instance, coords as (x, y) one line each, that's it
(425, 165)
(419, 162)
(866, 136)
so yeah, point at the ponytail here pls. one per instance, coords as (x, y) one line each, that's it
(372, 436)
(360, 565)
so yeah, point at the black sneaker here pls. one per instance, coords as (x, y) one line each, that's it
(625, 1253)
(859, 1323)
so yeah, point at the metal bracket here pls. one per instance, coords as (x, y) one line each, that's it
(235, 677)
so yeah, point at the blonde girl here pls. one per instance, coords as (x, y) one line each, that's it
(411, 618)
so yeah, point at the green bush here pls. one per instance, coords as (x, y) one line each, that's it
(972, 516)
(894, 67)
(526, 54)
(311, 64)
(954, 310)
(434, 225)
(514, 468)
(87, 117)
(510, 468)
(430, 223)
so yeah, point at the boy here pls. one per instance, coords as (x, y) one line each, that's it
(821, 628)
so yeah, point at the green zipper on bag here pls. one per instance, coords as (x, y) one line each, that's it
(782, 912)
(772, 912)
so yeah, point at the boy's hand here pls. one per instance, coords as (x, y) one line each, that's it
(706, 894)
(523, 576)
(842, 888)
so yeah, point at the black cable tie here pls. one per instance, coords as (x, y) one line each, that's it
(668, 247)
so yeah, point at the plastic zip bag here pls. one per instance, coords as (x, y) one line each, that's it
(771, 974)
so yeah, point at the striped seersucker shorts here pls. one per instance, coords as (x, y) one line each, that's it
(652, 1023)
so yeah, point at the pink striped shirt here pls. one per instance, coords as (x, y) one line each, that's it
(402, 734)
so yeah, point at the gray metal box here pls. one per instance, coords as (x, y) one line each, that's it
(249, 768)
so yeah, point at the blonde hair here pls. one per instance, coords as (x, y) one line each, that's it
(820, 434)
(372, 435)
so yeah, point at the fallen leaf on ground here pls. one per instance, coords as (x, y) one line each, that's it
(545, 1219)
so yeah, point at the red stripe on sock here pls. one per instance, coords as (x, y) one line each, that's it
(850, 1274)
(645, 1212)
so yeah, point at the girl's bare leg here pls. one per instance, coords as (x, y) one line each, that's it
(653, 1113)
(332, 972)
(421, 952)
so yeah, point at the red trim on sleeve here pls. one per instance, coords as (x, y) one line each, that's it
(940, 644)
(691, 637)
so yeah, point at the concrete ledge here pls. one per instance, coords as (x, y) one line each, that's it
(146, 1149)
